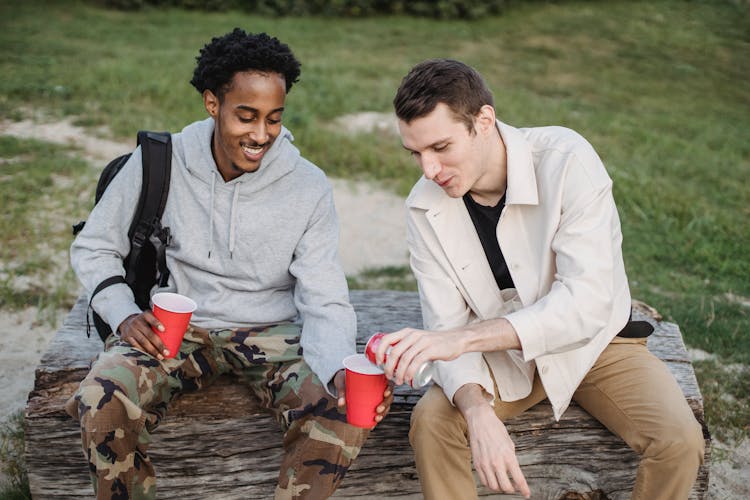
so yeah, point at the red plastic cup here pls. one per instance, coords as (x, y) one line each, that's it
(174, 312)
(365, 385)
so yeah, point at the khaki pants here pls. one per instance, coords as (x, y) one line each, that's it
(629, 390)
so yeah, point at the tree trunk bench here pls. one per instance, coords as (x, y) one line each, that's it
(199, 454)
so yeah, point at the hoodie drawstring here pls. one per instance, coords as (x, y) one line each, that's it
(233, 216)
(211, 216)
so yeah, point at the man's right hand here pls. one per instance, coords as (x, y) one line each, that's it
(492, 450)
(136, 331)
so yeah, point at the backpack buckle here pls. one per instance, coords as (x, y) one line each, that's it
(139, 238)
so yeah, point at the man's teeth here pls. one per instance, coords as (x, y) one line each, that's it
(252, 150)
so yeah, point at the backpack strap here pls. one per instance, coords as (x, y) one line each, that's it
(165, 237)
(156, 161)
(112, 280)
(156, 152)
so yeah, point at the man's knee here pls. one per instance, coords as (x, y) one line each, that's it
(110, 397)
(679, 443)
(101, 408)
(692, 441)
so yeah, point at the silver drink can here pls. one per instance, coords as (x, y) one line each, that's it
(424, 373)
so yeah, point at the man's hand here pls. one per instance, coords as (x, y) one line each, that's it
(136, 331)
(382, 409)
(492, 449)
(411, 348)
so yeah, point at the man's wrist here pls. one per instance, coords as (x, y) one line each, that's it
(470, 398)
(121, 326)
(491, 335)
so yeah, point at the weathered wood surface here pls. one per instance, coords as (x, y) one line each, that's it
(215, 443)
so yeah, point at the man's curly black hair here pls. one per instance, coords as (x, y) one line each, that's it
(237, 51)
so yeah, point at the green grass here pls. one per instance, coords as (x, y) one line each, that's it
(660, 88)
(726, 398)
(16, 484)
(38, 180)
(34, 173)
(385, 278)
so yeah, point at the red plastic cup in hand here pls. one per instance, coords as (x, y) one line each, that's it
(365, 385)
(174, 312)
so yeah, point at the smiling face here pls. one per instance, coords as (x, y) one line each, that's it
(247, 120)
(456, 159)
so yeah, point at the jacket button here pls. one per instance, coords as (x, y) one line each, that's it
(545, 369)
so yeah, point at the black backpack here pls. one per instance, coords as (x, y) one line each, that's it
(145, 265)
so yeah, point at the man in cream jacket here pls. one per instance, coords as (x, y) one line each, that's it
(515, 242)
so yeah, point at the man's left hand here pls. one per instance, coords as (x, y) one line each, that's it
(339, 381)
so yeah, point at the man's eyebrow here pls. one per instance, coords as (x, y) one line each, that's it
(251, 109)
(433, 145)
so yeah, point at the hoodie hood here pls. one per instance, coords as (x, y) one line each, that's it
(280, 159)
(196, 139)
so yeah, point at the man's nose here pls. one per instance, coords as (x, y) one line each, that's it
(259, 132)
(430, 167)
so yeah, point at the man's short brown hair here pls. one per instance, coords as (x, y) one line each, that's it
(451, 82)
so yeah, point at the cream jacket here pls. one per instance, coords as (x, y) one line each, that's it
(561, 238)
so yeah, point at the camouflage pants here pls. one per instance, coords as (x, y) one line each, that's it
(125, 395)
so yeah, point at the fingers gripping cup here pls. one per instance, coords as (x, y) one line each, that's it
(174, 312)
(365, 385)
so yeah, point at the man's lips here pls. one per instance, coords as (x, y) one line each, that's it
(443, 183)
(254, 151)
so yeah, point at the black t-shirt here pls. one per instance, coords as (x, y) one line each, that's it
(485, 221)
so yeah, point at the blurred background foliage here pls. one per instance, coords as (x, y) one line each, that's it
(440, 9)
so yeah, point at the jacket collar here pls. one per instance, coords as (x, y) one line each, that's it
(521, 188)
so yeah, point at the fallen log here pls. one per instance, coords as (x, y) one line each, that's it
(217, 444)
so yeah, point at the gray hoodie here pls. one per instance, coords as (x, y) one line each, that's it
(257, 250)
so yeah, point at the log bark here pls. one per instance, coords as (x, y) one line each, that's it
(216, 443)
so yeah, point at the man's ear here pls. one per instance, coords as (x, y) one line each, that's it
(211, 102)
(485, 120)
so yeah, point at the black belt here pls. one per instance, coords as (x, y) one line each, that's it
(636, 329)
